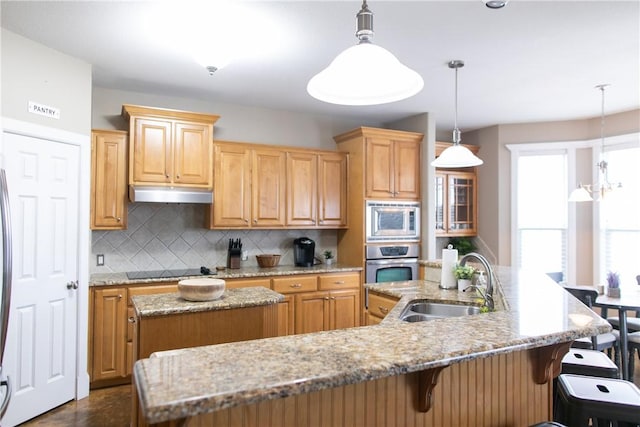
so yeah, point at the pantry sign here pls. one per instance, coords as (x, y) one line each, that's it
(44, 110)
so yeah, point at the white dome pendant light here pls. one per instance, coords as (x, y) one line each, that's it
(456, 156)
(365, 74)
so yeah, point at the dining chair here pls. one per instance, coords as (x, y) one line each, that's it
(633, 343)
(633, 323)
(607, 341)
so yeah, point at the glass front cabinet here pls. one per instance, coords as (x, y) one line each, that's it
(456, 203)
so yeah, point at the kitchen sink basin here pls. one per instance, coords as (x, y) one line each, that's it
(420, 311)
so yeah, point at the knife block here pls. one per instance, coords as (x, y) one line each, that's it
(233, 259)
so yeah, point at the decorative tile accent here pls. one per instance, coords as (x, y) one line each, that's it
(169, 236)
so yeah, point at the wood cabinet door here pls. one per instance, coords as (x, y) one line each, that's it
(406, 165)
(302, 177)
(379, 168)
(150, 151)
(462, 204)
(311, 312)
(109, 333)
(344, 309)
(232, 186)
(108, 180)
(268, 176)
(286, 316)
(193, 154)
(332, 190)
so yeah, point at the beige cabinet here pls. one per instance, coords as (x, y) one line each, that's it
(249, 188)
(456, 203)
(392, 168)
(109, 334)
(108, 180)
(379, 306)
(317, 189)
(111, 331)
(170, 147)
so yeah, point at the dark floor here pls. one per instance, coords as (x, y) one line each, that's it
(111, 407)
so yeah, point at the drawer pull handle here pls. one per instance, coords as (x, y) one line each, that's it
(296, 285)
(383, 309)
(339, 282)
(132, 320)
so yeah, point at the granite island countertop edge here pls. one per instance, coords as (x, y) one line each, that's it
(303, 363)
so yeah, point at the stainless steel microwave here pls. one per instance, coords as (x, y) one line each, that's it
(388, 221)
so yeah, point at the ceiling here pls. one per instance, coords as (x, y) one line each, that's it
(528, 62)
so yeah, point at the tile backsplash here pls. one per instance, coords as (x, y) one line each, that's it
(171, 236)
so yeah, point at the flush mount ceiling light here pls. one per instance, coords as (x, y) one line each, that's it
(456, 156)
(597, 191)
(495, 4)
(365, 74)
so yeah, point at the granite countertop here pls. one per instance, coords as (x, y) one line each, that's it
(304, 363)
(173, 303)
(110, 279)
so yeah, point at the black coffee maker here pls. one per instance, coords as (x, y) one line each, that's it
(303, 252)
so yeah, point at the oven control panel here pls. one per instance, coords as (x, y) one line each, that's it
(392, 251)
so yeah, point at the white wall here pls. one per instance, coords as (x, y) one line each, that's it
(34, 72)
(236, 123)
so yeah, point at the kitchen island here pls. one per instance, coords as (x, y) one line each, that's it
(167, 321)
(485, 369)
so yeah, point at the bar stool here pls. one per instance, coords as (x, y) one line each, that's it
(589, 362)
(582, 398)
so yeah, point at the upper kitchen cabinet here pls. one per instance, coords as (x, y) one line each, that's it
(390, 162)
(170, 147)
(317, 189)
(108, 180)
(392, 166)
(249, 189)
(456, 199)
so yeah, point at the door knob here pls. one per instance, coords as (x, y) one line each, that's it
(72, 285)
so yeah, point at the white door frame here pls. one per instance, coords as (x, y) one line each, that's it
(84, 237)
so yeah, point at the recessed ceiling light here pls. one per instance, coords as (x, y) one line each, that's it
(495, 4)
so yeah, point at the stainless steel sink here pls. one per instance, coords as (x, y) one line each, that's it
(420, 311)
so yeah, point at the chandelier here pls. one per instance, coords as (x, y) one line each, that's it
(597, 191)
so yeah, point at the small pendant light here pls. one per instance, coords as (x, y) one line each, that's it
(456, 156)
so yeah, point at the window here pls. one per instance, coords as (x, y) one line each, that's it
(541, 211)
(620, 216)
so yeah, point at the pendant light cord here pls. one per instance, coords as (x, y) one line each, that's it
(455, 64)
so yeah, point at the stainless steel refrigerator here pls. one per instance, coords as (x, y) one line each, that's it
(5, 298)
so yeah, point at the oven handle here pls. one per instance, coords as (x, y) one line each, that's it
(395, 261)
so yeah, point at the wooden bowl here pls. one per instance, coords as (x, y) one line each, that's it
(268, 260)
(201, 289)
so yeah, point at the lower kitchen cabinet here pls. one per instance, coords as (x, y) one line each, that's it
(326, 310)
(379, 306)
(313, 302)
(109, 337)
(111, 331)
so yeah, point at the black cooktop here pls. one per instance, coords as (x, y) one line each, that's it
(162, 274)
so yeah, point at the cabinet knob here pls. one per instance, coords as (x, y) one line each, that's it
(119, 296)
(339, 282)
(118, 219)
(255, 221)
(326, 298)
(178, 176)
(383, 309)
(246, 220)
(296, 285)
(132, 320)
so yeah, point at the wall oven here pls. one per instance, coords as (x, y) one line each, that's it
(392, 221)
(392, 263)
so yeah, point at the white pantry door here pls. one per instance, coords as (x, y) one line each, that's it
(41, 350)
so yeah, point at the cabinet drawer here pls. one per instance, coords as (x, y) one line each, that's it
(380, 306)
(287, 285)
(339, 281)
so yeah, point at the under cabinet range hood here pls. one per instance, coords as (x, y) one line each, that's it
(169, 194)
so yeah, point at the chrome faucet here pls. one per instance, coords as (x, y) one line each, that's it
(487, 295)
